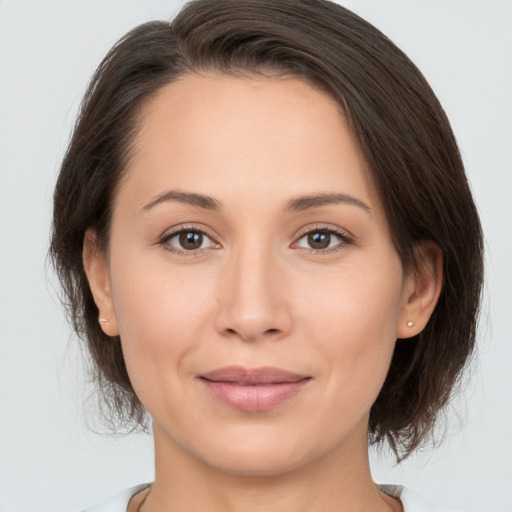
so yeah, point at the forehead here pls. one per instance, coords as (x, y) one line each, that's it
(217, 134)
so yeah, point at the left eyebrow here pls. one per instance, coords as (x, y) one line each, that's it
(302, 203)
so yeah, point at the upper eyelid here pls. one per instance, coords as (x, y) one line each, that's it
(303, 231)
(321, 227)
(171, 232)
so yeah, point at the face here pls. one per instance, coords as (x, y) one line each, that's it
(251, 275)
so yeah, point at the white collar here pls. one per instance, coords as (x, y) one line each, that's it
(411, 501)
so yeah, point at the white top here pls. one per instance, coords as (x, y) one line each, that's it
(410, 500)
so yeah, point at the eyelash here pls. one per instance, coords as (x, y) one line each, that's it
(345, 238)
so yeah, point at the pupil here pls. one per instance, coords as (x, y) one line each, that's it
(190, 240)
(319, 240)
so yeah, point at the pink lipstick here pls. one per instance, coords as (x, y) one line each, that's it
(253, 390)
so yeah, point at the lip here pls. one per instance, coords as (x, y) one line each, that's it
(253, 389)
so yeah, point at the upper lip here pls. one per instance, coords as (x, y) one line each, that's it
(261, 375)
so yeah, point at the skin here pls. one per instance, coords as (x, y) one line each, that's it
(255, 294)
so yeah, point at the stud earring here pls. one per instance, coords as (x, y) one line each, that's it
(410, 324)
(103, 320)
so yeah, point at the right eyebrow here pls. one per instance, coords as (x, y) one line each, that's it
(200, 200)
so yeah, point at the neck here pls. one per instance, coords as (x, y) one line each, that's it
(333, 482)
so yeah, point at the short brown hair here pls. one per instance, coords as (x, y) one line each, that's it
(401, 128)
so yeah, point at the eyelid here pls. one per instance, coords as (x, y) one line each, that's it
(324, 227)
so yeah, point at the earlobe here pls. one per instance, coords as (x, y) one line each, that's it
(98, 276)
(421, 290)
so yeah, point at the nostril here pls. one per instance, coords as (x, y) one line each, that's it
(268, 332)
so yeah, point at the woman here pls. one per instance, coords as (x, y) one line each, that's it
(266, 237)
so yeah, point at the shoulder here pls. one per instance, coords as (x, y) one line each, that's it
(118, 502)
(411, 501)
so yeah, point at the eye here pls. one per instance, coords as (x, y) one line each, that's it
(323, 240)
(187, 240)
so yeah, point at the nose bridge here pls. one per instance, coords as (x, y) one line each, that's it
(252, 297)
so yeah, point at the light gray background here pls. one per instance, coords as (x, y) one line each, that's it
(49, 460)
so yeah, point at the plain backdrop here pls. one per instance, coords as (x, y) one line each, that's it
(50, 461)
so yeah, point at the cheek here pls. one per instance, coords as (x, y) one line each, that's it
(354, 320)
(160, 314)
(154, 300)
(360, 299)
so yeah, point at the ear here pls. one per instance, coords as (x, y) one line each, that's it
(421, 290)
(98, 276)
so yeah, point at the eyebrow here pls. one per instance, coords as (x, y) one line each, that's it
(316, 200)
(200, 200)
(298, 204)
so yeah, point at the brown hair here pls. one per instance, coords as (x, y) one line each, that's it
(402, 130)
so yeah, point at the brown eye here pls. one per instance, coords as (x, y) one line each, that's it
(319, 240)
(190, 240)
(323, 240)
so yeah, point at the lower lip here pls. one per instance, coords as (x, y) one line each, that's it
(254, 397)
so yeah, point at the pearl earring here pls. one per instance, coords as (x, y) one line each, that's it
(410, 324)
(103, 320)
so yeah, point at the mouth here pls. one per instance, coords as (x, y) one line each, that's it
(253, 390)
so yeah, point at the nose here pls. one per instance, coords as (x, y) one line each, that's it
(253, 302)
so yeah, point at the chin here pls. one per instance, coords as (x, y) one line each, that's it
(259, 453)
(257, 464)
